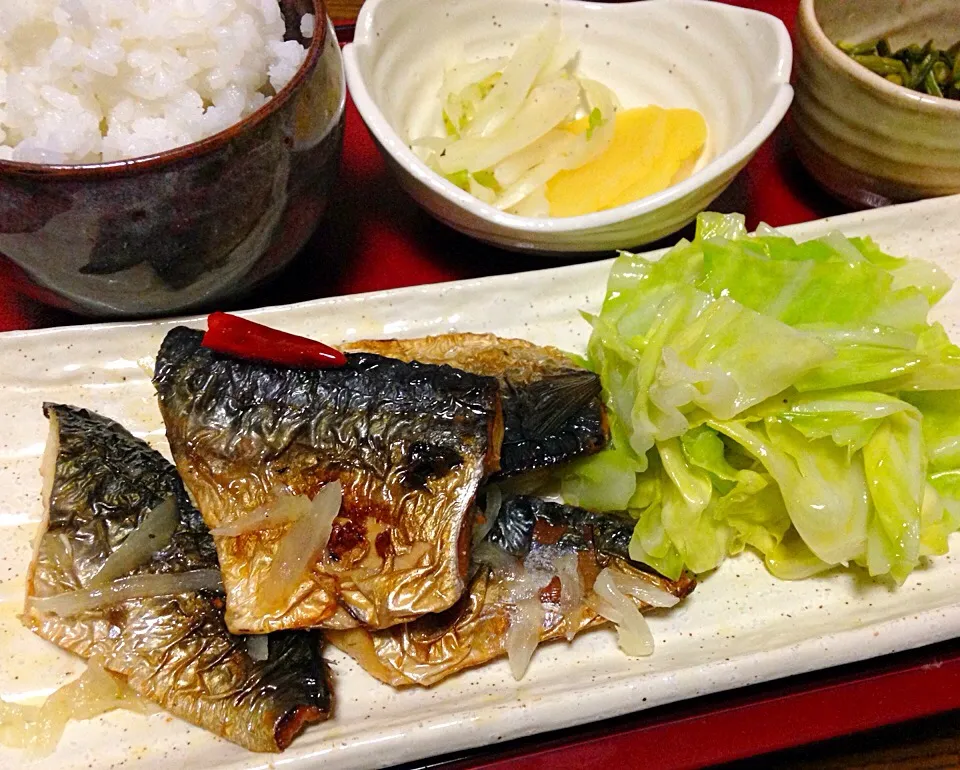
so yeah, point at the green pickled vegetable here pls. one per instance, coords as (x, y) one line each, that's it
(790, 398)
(924, 68)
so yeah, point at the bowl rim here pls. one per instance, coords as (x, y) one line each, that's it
(156, 161)
(390, 140)
(899, 96)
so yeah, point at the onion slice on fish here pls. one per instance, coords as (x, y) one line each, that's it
(493, 556)
(527, 615)
(491, 509)
(567, 568)
(286, 508)
(644, 590)
(523, 633)
(299, 548)
(134, 587)
(153, 534)
(39, 728)
(612, 603)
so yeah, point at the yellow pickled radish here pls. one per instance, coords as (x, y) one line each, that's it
(686, 136)
(638, 139)
(652, 148)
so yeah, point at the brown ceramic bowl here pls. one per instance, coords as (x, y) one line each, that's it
(868, 141)
(190, 227)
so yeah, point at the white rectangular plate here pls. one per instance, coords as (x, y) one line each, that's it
(739, 627)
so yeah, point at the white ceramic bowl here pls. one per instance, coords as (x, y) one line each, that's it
(731, 64)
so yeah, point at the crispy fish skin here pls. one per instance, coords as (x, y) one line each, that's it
(552, 409)
(173, 650)
(475, 630)
(409, 442)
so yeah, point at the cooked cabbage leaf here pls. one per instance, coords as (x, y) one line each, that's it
(790, 398)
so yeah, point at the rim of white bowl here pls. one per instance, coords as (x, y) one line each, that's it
(721, 164)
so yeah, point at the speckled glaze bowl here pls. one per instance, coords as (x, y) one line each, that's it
(737, 79)
(866, 140)
(187, 228)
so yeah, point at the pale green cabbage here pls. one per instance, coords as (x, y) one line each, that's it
(787, 397)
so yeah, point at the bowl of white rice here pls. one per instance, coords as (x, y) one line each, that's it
(160, 156)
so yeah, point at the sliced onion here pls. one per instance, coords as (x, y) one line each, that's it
(258, 646)
(481, 192)
(16, 724)
(39, 728)
(534, 205)
(633, 633)
(153, 534)
(496, 558)
(553, 143)
(300, 547)
(643, 590)
(491, 509)
(562, 62)
(567, 568)
(547, 106)
(516, 125)
(285, 509)
(461, 75)
(134, 587)
(523, 584)
(523, 633)
(579, 150)
(434, 143)
(531, 182)
(526, 609)
(510, 92)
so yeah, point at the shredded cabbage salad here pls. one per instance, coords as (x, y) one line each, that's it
(790, 397)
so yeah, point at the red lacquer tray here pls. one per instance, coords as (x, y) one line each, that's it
(374, 237)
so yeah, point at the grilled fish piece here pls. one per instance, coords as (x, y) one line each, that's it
(525, 550)
(173, 650)
(409, 442)
(552, 409)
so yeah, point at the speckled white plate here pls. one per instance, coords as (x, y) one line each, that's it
(739, 627)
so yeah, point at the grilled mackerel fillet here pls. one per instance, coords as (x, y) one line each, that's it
(529, 538)
(552, 409)
(409, 442)
(173, 650)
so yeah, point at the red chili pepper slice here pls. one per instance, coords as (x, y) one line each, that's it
(239, 337)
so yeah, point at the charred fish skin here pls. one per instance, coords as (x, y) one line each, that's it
(105, 480)
(530, 534)
(553, 410)
(173, 650)
(409, 442)
(550, 421)
(515, 530)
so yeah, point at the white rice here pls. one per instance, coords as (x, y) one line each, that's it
(83, 81)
